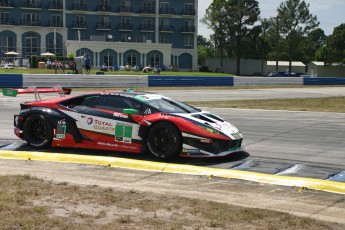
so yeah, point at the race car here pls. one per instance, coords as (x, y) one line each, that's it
(123, 121)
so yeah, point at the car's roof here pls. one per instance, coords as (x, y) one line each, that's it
(123, 93)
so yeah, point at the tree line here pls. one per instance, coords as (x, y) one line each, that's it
(293, 34)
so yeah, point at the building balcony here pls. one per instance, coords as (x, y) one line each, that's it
(188, 29)
(188, 12)
(103, 26)
(78, 25)
(8, 22)
(125, 27)
(55, 6)
(7, 4)
(103, 8)
(54, 23)
(146, 28)
(125, 9)
(25, 22)
(145, 10)
(166, 29)
(170, 11)
(79, 7)
(37, 5)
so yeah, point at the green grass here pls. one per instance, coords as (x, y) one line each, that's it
(330, 104)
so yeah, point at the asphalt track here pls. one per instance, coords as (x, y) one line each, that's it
(300, 149)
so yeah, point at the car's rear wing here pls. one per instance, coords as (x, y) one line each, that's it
(36, 91)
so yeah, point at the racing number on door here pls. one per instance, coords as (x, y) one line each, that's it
(123, 133)
(61, 129)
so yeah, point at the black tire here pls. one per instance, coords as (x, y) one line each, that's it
(38, 131)
(164, 140)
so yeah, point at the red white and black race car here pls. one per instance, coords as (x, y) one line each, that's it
(123, 121)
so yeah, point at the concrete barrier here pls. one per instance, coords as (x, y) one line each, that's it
(11, 81)
(135, 81)
(85, 81)
(190, 81)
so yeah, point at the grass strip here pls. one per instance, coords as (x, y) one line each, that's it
(329, 104)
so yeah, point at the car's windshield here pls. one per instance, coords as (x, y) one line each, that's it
(169, 105)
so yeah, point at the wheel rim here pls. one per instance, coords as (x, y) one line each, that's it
(162, 140)
(37, 130)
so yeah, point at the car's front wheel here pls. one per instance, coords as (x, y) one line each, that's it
(38, 131)
(164, 140)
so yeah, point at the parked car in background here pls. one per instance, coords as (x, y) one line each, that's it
(286, 74)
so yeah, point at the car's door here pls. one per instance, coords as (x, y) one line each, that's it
(106, 124)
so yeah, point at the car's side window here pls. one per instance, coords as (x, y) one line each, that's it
(113, 103)
(81, 103)
(90, 101)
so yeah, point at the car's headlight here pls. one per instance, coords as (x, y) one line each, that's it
(209, 129)
(237, 135)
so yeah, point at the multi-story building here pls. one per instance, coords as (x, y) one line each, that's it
(114, 32)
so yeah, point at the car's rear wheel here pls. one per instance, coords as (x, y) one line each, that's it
(164, 140)
(38, 131)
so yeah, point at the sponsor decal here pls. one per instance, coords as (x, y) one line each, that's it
(123, 133)
(206, 141)
(147, 111)
(61, 129)
(103, 128)
(120, 115)
(89, 121)
(103, 123)
(191, 151)
(117, 145)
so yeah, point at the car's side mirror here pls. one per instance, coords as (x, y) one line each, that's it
(130, 111)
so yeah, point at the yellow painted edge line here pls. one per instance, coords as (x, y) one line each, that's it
(299, 182)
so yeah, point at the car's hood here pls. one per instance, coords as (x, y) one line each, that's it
(213, 121)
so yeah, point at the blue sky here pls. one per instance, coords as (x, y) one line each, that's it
(329, 13)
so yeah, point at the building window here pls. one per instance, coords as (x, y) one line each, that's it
(104, 21)
(188, 41)
(5, 17)
(79, 2)
(188, 9)
(155, 60)
(79, 21)
(55, 21)
(164, 6)
(105, 2)
(164, 38)
(148, 5)
(31, 44)
(126, 3)
(145, 38)
(31, 19)
(7, 44)
(132, 59)
(55, 4)
(55, 48)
